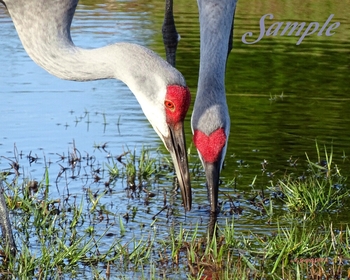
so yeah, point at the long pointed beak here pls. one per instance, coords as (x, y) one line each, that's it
(177, 147)
(212, 171)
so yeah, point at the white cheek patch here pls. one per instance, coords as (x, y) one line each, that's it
(155, 113)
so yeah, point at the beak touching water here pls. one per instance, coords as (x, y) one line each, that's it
(176, 145)
(212, 171)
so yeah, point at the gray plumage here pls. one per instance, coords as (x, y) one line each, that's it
(210, 108)
(210, 111)
(44, 30)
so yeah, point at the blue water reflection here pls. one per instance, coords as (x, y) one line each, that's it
(281, 99)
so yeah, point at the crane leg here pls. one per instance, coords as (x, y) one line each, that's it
(170, 35)
(5, 222)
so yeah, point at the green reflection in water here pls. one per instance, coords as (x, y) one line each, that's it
(282, 97)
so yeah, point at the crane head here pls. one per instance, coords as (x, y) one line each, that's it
(211, 128)
(176, 104)
(211, 149)
(166, 112)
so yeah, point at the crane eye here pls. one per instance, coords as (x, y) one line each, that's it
(170, 105)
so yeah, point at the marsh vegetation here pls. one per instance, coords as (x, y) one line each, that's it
(66, 234)
(107, 207)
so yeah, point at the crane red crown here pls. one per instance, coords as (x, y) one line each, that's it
(210, 146)
(177, 101)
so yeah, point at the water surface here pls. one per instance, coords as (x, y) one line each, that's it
(282, 98)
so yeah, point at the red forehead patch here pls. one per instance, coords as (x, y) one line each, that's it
(177, 101)
(210, 146)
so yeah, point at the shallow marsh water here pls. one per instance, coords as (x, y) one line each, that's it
(282, 97)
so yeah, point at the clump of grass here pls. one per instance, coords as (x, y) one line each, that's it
(298, 244)
(141, 167)
(290, 253)
(322, 189)
(64, 237)
(51, 239)
(214, 255)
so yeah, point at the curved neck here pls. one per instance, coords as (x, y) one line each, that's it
(44, 29)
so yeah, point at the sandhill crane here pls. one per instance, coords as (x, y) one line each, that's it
(210, 118)
(44, 29)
